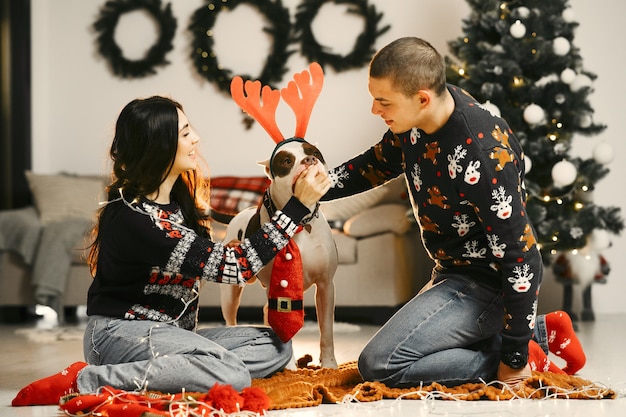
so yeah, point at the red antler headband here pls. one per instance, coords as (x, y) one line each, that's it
(261, 103)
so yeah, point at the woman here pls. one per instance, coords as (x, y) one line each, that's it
(151, 252)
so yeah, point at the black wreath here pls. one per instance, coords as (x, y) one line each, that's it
(364, 46)
(107, 22)
(204, 57)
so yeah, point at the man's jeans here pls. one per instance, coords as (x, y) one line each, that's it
(449, 333)
(140, 354)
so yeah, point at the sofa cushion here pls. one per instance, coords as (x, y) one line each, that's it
(230, 195)
(379, 219)
(61, 196)
(19, 232)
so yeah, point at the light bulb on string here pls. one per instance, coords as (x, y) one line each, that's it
(518, 81)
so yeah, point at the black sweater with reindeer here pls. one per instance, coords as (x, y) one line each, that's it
(466, 183)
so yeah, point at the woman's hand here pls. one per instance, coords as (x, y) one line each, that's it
(513, 377)
(311, 185)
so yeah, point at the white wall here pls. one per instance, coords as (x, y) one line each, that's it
(76, 99)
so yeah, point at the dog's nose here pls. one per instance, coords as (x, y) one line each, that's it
(309, 160)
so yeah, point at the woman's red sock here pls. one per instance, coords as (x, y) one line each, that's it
(539, 361)
(49, 390)
(563, 342)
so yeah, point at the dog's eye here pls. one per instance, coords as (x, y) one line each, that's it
(286, 161)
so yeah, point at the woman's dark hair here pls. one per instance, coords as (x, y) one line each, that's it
(143, 153)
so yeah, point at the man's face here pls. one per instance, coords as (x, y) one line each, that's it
(400, 113)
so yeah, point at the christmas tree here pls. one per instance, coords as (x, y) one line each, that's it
(518, 58)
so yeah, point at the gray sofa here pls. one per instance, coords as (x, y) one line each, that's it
(381, 259)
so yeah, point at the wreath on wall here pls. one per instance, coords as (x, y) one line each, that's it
(205, 59)
(108, 48)
(202, 22)
(363, 48)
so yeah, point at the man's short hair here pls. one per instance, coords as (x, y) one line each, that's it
(412, 64)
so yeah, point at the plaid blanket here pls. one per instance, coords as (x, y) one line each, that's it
(230, 195)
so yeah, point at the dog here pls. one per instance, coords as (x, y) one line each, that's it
(315, 241)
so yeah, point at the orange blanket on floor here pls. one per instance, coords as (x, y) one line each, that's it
(311, 386)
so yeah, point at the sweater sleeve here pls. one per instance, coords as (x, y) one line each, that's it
(237, 264)
(159, 241)
(377, 165)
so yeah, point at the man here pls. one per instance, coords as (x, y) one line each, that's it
(465, 172)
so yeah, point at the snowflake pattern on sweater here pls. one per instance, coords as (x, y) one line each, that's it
(150, 265)
(466, 184)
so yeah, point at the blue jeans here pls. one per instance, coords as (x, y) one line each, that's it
(449, 333)
(140, 354)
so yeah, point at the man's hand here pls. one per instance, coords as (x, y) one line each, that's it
(513, 377)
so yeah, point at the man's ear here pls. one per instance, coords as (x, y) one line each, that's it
(424, 97)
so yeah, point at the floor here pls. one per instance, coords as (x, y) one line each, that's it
(23, 361)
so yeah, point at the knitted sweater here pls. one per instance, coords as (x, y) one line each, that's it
(150, 265)
(466, 184)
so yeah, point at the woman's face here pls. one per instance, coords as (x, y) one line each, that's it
(185, 159)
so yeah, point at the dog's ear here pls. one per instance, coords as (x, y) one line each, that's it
(266, 167)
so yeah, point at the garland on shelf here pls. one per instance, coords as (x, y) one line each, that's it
(364, 46)
(204, 57)
(108, 48)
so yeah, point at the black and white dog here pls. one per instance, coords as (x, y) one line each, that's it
(316, 244)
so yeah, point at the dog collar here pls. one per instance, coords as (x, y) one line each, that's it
(278, 146)
(271, 209)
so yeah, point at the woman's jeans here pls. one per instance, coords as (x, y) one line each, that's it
(139, 354)
(449, 333)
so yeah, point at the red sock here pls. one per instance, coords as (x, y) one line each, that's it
(539, 361)
(562, 341)
(49, 390)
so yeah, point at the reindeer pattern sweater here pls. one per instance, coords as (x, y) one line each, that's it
(150, 265)
(466, 185)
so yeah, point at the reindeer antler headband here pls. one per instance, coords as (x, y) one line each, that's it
(261, 103)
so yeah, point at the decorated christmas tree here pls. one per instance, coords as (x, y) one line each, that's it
(519, 59)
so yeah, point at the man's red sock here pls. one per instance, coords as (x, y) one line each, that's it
(49, 390)
(539, 361)
(563, 342)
